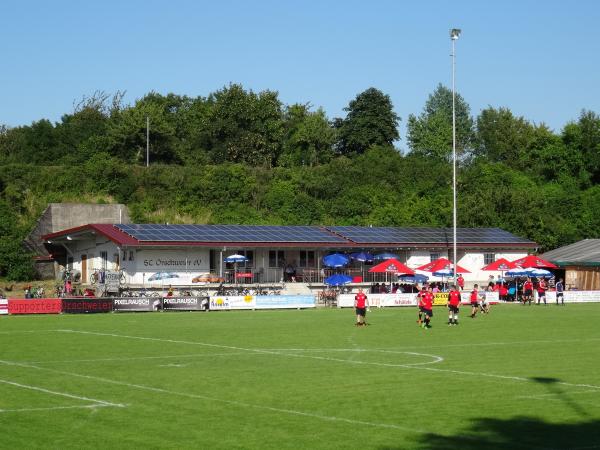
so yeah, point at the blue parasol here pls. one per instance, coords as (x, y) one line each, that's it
(235, 259)
(336, 260)
(338, 279)
(416, 278)
(362, 256)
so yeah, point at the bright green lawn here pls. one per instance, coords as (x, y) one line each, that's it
(522, 377)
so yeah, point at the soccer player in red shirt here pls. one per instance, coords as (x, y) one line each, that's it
(420, 303)
(427, 308)
(527, 291)
(475, 297)
(542, 287)
(461, 282)
(453, 305)
(360, 305)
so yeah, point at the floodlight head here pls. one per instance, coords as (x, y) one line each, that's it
(455, 33)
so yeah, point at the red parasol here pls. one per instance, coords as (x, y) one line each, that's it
(534, 261)
(501, 264)
(441, 264)
(391, 266)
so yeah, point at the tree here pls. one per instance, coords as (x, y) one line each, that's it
(370, 121)
(308, 138)
(430, 134)
(244, 126)
(583, 137)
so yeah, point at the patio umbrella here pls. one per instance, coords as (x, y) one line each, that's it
(384, 256)
(416, 278)
(540, 273)
(534, 261)
(391, 266)
(362, 256)
(336, 260)
(235, 259)
(518, 272)
(338, 279)
(161, 276)
(440, 264)
(501, 265)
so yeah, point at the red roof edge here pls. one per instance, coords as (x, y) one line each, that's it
(106, 229)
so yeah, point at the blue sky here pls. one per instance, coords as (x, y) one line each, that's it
(539, 58)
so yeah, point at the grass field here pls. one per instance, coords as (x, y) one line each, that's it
(521, 377)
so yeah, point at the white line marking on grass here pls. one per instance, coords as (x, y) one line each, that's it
(61, 394)
(94, 406)
(135, 358)
(431, 369)
(435, 358)
(219, 400)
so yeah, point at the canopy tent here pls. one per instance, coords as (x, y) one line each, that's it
(501, 265)
(391, 266)
(535, 262)
(441, 264)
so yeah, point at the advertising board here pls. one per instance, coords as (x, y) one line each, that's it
(137, 304)
(285, 301)
(3, 306)
(185, 303)
(35, 306)
(87, 305)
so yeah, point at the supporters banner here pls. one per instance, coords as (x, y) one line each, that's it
(87, 305)
(35, 306)
(285, 301)
(227, 302)
(137, 304)
(185, 303)
(3, 306)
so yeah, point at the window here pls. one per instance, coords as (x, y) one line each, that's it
(276, 258)
(130, 255)
(489, 258)
(307, 258)
(434, 257)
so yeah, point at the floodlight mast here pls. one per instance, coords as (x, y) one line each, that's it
(454, 34)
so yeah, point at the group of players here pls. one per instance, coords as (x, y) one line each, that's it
(425, 303)
(426, 298)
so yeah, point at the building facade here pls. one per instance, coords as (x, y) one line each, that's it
(143, 251)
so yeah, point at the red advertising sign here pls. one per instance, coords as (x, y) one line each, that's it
(34, 306)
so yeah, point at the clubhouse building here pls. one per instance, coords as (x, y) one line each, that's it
(143, 252)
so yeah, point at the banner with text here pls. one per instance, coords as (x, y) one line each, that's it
(3, 306)
(87, 305)
(285, 301)
(34, 306)
(137, 304)
(385, 300)
(228, 302)
(185, 303)
(575, 296)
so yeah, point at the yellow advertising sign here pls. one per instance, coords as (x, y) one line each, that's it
(440, 299)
